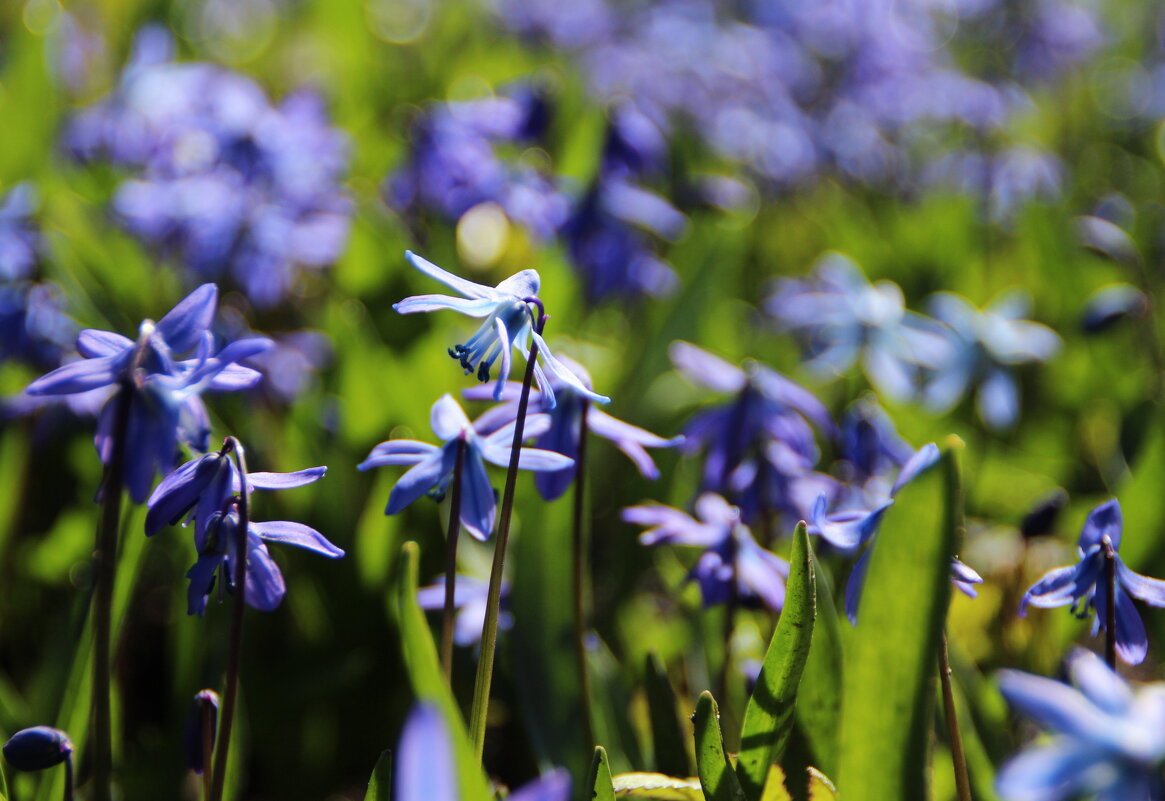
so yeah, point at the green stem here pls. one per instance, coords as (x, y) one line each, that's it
(234, 657)
(451, 566)
(105, 570)
(578, 552)
(489, 633)
(958, 756)
(68, 777)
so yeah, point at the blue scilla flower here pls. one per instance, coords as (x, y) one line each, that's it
(562, 435)
(985, 345)
(165, 406)
(839, 317)
(868, 443)
(432, 466)
(469, 599)
(33, 325)
(1081, 584)
(733, 567)
(1107, 739)
(37, 748)
(224, 179)
(509, 324)
(206, 492)
(425, 766)
(19, 238)
(759, 447)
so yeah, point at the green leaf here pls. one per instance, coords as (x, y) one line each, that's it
(775, 789)
(671, 752)
(657, 787)
(887, 685)
(768, 718)
(427, 678)
(716, 774)
(380, 783)
(819, 696)
(602, 788)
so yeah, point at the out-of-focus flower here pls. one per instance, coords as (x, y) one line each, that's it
(225, 180)
(19, 238)
(759, 449)
(469, 599)
(1108, 741)
(839, 317)
(165, 406)
(33, 325)
(1110, 305)
(1005, 181)
(432, 467)
(985, 346)
(201, 728)
(562, 436)
(733, 567)
(1082, 584)
(425, 768)
(37, 748)
(868, 443)
(208, 489)
(509, 324)
(1059, 35)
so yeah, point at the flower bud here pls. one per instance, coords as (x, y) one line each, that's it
(37, 748)
(201, 728)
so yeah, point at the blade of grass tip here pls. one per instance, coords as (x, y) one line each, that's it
(599, 778)
(819, 696)
(380, 783)
(769, 716)
(715, 771)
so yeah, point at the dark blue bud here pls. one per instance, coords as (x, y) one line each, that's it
(201, 729)
(37, 748)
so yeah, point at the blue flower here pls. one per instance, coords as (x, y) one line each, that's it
(425, 767)
(839, 318)
(19, 239)
(37, 748)
(1081, 584)
(1108, 740)
(206, 490)
(469, 599)
(733, 566)
(432, 466)
(166, 408)
(194, 734)
(759, 448)
(509, 324)
(985, 345)
(562, 434)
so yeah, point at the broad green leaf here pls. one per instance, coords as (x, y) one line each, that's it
(657, 787)
(768, 718)
(671, 752)
(380, 783)
(819, 696)
(602, 788)
(716, 774)
(775, 789)
(820, 787)
(888, 695)
(427, 678)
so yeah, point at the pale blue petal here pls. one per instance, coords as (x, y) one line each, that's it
(397, 452)
(521, 285)
(538, 459)
(277, 481)
(998, 400)
(447, 419)
(1055, 772)
(563, 374)
(922, 460)
(184, 324)
(554, 786)
(424, 765)
(426, 303)
(704, 368)
(421, 478)
(1057, 707)
(456, 283)
(478, 507)
(1056, 588)
(1149, 590)
(93, 343)
(853, 587)
(1100, 684)
(265, 586)
(297, 534)
(235, 377)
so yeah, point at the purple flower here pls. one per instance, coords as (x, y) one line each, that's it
(562, 435)
(33, 325)
(19, 239)
(509, 325)
(1108, 741)
(207, 490)
(469, 599)
(166, 408)
(759, 448)
(733, 566)
(432, 466)
(1081, 584)
(37, 748)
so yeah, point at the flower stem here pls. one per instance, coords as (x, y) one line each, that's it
(489, 632)
(208, 727)
(105, 569)
(578, 552)
(68, 777)
(958, 756)
(451, 566)
(227, 716)
(1110, 607)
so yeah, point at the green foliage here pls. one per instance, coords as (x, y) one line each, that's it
(599, 776)
(717, 777)
(768, 718)
(380, 783)
(668, 740)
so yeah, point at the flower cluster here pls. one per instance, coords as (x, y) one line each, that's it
(223, 179)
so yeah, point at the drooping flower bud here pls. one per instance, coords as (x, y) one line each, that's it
(201, 729)
(37, 748)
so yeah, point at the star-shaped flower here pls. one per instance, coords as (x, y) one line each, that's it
(1079, 584)
(509, 324)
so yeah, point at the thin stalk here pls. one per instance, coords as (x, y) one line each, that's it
(489, 632)
(227, 716)
(1110, 607)
(208, 727)
(451, 566)
(578, 553)
(726, 664)
(958, 756)
(105, 569)
(68, 777)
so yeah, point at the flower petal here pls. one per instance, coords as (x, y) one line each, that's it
(997, 400)
(563, 374)
(1056, 588)
(93, 343)
(184, 324)
(705, 368)
(424, 759)
(478, 507)
(554, 786)
(278, 481)
(853, 587)
(265, 586)
(179, 491)
(234, 377)
(297, 534)
(1100, 684)
(421, 478)
(447, 418)
(1149, 590)
(456, 283)
(521, 285)
(1103, 521)
(922, 460)
(79, 376)
(397, 451)
(472, 307)
(1054, 772)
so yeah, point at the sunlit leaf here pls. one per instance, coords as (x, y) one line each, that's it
(774, 789)
(380, 783)
(716, 774)
(657, 787)
(602, 788)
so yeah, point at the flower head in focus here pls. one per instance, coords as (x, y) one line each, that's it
(733, 567)
(433, 467)
(509, 325)
(1108, 740)
(166, 407)
(1082, 584)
